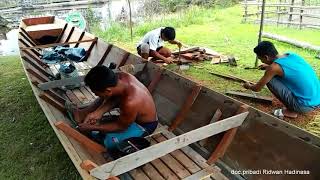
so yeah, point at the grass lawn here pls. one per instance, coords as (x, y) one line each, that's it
(29, 147)
(222, 31)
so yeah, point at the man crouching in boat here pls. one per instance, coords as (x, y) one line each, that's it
(290, 78)
(137, 109)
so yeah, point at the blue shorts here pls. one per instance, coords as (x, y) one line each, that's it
(134, 130)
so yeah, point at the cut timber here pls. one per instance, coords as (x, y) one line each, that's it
(151, 153)
(90, 49)
(180, 156)
(36, 59)
(230, 77)
(226, 139)
(262, 99)
(88, 165)
(186, 50)
(216, 117)
(70, 34)
(205, 173)
(152, 172)
(38, 67)
(85, 141)
(37, 75)
(300, 44)
(58, 44)
(186, 107)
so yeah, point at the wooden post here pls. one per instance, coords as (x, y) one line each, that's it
(226, 140)
(301, 12)
(290, 13)
(261, 27)
(245, 10)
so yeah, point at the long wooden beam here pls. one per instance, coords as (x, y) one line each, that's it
(52, 102)
(253, 97)
(57, 44)
(80, 38)
(230, 77)
(27, 34)
(226, 139)
(82, 139)
(90, 49)
(27, 46)
(156, 151)
(186, 107)
(70, 34)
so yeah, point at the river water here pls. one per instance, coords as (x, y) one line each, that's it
(114, 10)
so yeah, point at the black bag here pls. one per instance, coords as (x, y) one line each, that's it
(129, 146)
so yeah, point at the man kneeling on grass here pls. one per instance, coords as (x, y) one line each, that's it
(151, 44)
(289, 78)
(137, 109)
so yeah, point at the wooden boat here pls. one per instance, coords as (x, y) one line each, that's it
(199, 137)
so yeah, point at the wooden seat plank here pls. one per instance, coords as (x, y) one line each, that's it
(88, 95)
(80, 96)
(180, 156)
(174, 165)
(151, 172)
(138, 174)
(72, 97)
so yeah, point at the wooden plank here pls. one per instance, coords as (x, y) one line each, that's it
(192, 154)
(73, 98)
(124, 59)
(226, 139)
(138, 174)
(230, 77)
(180, 156)
(27, 39)
(80, 38)
(88, 95)
(57, 44)
(253, 97)
(39, 68)
(151, 172)
(192, 49)
(203, 174)
(88, 165)
(173, 164)
(62, 32)
(53, 103)
(56, 97)
(82, 139)
(37, 75)
(105, 54)
(186, 107)
(34, 42)
(27, 46)
(216, 117)
(36, 59)
(80, 96)
(155, 80)
(164, 170)
(146, 155)
(70, 34)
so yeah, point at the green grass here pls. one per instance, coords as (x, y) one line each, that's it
(29, 147)
(222, 31)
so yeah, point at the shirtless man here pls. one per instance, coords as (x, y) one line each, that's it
(137, 109)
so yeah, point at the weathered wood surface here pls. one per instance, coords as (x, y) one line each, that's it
(57, 44)
(141, 157)
(253, 97)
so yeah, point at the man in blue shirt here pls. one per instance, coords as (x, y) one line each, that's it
(290, 78)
